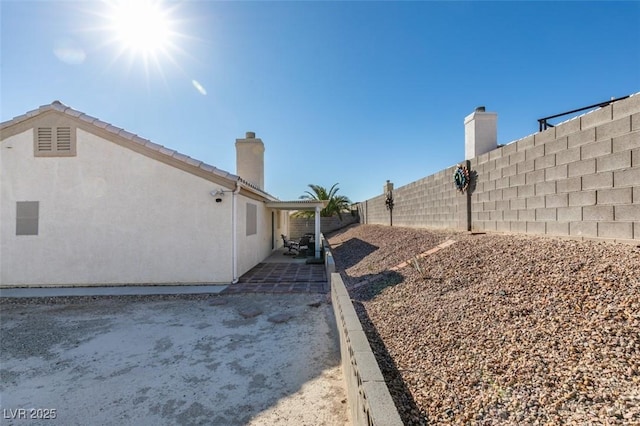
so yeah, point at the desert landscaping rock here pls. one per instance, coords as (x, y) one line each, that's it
(499, 329)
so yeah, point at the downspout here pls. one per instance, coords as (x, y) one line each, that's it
(317, 226)
(234, 236)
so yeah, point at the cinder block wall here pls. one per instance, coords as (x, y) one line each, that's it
(432, 201)
(578, 179)
(298, 226)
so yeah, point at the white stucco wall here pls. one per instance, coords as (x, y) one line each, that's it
(252, 249)
(109, 215)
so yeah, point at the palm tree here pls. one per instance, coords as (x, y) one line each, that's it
(337, 203)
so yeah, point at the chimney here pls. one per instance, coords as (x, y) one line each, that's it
(388, 186)
(480, 133)
(250, 159)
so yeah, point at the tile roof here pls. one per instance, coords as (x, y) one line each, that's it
(60, 107)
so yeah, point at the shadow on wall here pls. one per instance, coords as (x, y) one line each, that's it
(352, 251)
(473, 180)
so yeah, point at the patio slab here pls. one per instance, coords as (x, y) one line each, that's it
(284, 272)
(156, 360)
(270, 277)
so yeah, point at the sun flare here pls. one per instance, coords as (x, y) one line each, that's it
(141, 26)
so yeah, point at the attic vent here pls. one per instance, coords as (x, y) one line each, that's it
(45, 139)
(55, 142)
(63, 139)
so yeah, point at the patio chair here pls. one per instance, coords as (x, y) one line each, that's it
(290, 244)
(304, 243)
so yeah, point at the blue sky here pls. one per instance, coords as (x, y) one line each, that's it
(348, 92)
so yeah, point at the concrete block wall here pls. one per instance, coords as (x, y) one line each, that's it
(429, 202)
(298, 226)
(577, 179)
(580, 179)
(329, 261)
(370, 403)
(374, 211)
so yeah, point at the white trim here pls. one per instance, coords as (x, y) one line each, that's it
(234, 237)
(317, 232)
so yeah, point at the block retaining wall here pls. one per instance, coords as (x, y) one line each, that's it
(580, 179)
(329, 261)
(369, 400)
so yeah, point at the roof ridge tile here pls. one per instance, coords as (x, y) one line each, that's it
(179, 156)
(101, 124)
(137, 139)
(126, 134)
(207, 167)
(58, 106)
(154, 146)
(193, 161)
(72, 112)
(167, 151)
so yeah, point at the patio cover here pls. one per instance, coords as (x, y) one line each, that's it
(305, 205)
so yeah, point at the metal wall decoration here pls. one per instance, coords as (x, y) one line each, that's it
(389, 203)
(461, 178)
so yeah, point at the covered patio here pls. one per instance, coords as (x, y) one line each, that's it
(283, 272)
(304, 205)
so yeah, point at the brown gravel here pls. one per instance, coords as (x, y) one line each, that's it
(499, 329)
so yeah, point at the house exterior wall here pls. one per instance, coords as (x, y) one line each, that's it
(252, 249)
(580, 179)
(109, 215)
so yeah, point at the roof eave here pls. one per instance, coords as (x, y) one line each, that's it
(306, 205)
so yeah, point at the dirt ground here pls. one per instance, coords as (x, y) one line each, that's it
(179, 360)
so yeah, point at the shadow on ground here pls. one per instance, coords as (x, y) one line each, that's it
(352, 251)
(370, 286)
(402, 398)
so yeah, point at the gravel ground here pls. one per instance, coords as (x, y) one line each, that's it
(499, 329)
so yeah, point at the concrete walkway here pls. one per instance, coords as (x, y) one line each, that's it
(121, 290)
(248, 359)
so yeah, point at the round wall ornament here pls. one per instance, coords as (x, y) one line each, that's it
(461, 178)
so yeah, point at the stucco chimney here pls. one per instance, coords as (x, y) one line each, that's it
(480, 133)
(250, 159)
(388, 186)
